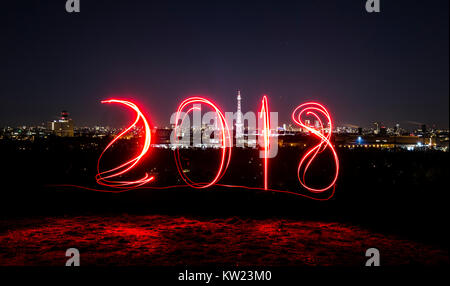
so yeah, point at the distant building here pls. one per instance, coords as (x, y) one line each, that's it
(62, 127)
(161, 136)
(377, 128)
(423, 128)
(317, 124)
(397, 129)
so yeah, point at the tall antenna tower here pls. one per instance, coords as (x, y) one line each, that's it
(239, 124)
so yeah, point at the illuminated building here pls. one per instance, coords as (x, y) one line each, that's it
(377, 128)
(62, 127)
(397, 129)
(317, 124)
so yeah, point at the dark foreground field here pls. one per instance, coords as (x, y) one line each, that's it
(215, 227)
(395, 201)
(155, 240)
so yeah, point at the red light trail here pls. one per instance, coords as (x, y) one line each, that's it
(226, 142)
(103, 178)
(265, 115)
(313, 109)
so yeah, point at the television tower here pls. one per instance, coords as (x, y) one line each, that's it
(239, 124)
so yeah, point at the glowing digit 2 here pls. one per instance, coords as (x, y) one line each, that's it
(105, 178)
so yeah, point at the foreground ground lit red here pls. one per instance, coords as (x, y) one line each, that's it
(170, 240)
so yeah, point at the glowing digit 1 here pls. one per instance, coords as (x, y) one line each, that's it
(265, 115)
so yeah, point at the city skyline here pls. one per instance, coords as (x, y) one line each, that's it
(239, 123)
(365, 67)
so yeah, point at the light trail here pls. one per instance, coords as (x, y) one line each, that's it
(104, 177)
(309, 109)
(265, 115)
(226, 142)
(315, 109)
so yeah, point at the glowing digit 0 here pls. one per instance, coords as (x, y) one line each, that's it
(226, 142)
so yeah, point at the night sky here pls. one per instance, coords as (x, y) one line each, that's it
(391, 66)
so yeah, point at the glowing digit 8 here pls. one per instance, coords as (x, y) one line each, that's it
(226, 142)
(315, 109)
